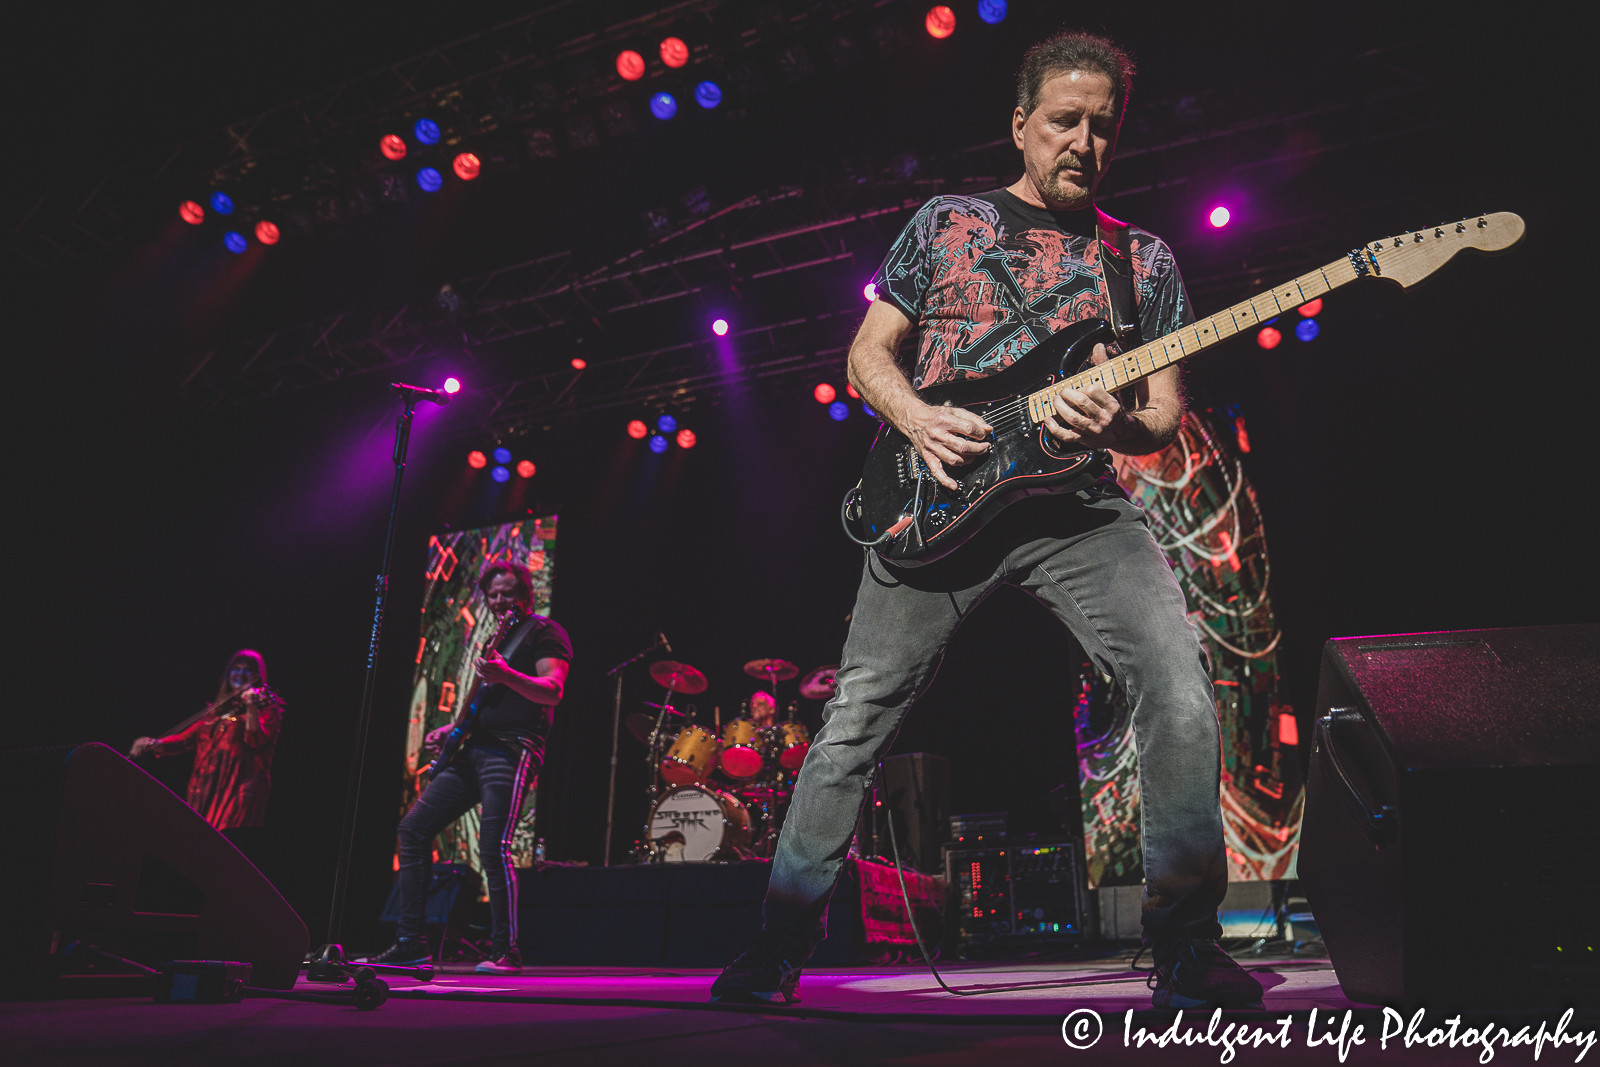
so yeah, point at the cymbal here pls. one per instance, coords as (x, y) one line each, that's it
(639, 724)
(820, 683)
(771, 669)
(678, 677)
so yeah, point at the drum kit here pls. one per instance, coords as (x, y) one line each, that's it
(694, 818)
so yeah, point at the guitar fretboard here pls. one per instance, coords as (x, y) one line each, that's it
(1122, 371)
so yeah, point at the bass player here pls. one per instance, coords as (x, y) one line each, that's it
(495, 767)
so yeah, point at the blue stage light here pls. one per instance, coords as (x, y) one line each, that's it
(1307, 329)
(992, 11)
(868, 412)
(500, 474)
(429, 179)
(658, 444)
(666, 424)
(502, 455)
(236, 244)
(708, 95)
(427, 131)
(839, 410)
(222, 203)
(663, 106)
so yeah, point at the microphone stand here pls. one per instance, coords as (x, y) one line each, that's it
(325, 966)
(616, 730)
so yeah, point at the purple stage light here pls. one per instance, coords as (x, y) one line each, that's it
(992, 11)
(1219, 217)
(451, 385)
(870, 291)
(720, 327)
(839, 410)
(868, 412)
(708, 95)
(658, 444)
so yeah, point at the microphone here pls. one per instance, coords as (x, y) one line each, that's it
(664, 642)
(438, 396)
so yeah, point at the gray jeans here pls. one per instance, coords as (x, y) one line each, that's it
(1092, 561)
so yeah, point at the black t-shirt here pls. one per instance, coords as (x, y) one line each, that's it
(973, 271)
(506, 715)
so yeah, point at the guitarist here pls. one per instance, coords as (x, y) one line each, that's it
(980, 280)
(495, 767)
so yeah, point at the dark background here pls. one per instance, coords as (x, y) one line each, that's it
(1422, 465)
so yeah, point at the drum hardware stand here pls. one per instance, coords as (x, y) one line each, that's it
(616, 727)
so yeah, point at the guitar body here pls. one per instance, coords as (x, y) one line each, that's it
(461, 729)
(897, 493)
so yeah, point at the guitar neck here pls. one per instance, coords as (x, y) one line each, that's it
(1122, 371)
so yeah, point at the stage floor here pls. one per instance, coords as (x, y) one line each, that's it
(916, 1022)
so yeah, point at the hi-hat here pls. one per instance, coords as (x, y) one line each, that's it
(639, 724)
(774, 670)
(678, 677)
(820, 684)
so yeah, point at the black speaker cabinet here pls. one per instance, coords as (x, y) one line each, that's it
(1450, 850)
(103, 853)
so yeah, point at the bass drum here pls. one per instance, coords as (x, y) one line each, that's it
(698, 824)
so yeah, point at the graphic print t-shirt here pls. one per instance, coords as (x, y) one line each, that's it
(506, 715)
(987, 277)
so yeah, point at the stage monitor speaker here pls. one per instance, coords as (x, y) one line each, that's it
(1449, 849)
(103, 853)
(915, 790)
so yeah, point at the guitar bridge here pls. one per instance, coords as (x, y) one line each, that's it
(910, 468)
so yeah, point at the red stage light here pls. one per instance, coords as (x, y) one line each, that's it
(526, 468)
(824, 393)
(637, 430)
(1312, 308)
(467, 166)
(941, 22)
(630, 65)
(191, 212)
(852, 391)
(578, 363)
(1288, 729)
(674, 53)
(477, 460)
(267, 232)
(1269, 337)
(686, 439)
(392, 147)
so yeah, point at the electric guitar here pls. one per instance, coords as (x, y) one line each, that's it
(900, 511)
(461, 727)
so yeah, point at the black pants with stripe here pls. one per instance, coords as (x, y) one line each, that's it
(497, 775)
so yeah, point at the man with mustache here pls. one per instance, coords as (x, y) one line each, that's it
(982, 279)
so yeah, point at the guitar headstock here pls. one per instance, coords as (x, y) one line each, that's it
(1409, 258)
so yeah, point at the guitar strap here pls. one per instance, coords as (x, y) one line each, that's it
(1116, 266)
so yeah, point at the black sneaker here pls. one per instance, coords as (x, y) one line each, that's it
(1192, 972)
(767, 971)
(501, 961)
(405, 952)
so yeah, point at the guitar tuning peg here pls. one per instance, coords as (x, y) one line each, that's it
(1438, 231)
(1461, 227)
(1482, 222)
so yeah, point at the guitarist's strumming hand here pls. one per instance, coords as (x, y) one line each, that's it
(950, 437)
(494, 668)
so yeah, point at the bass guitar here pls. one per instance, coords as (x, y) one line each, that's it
(462, 725)
(908, 518)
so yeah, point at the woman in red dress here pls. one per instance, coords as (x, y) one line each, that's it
(232, 747)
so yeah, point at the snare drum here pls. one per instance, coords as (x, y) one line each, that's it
(698, 824)
(744, 749)
(691, 757)
(791, 741)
